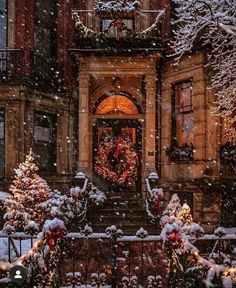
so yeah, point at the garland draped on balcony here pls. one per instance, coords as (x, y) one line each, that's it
(85, 32)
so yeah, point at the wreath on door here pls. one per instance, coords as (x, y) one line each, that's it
(117, 161)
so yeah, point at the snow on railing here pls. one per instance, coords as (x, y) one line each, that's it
(117, 240)
(153, 202)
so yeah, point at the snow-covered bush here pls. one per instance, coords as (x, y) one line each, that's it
(61, 206)
(187, 268)
(96, 196)
(32, 202)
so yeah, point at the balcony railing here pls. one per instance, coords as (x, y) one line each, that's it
(11, 65)
(123, 38)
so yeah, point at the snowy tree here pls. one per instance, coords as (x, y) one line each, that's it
(213, 24)
(28, 190)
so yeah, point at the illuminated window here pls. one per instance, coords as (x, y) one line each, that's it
(2, 142)
(182, 115)
(45, 141)
(117, 104)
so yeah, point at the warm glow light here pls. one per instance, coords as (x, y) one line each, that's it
(116, 104)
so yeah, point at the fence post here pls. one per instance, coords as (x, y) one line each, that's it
(113, 260)
(114, 234)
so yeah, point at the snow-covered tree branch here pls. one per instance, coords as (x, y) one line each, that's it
(213, 24)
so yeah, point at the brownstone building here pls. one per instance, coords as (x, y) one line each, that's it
(67, 84)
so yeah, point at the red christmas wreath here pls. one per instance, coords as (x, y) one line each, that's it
(117, 162)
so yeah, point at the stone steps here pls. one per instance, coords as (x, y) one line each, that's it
(127, 213)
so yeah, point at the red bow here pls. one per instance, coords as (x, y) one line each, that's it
(174, 236)
(118, 24)
(118, 148)
(54, 236)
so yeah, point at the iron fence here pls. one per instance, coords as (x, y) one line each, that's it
(113, 260)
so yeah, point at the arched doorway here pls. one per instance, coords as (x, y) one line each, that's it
(117, 144)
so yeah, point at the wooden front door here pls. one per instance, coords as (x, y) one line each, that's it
(117, 155)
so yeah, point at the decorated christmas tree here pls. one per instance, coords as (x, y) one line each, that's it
(29, 191)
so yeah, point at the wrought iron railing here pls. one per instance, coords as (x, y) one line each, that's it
(11, 64)
(15, 244)
(113, 260)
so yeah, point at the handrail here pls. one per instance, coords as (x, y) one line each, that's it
(92, 11)
(77, 235)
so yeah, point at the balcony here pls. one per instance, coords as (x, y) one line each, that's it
(123, 37)
(11, 65)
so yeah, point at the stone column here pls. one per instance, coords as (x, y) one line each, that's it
(13, 136)
(64, 146)
(84, 131)
(150, 127)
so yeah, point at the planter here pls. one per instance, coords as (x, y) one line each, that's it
(228, 153)
(180, 153)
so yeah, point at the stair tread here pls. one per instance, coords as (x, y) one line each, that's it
(125, 211)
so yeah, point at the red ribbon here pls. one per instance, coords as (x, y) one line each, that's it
(157, 204)
(174, 236)
(118, 24)
(118, 148)
(54, 236)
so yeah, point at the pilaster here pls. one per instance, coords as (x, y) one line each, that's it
(83, 129)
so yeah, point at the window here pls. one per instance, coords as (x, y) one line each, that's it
(113, 28)
(182, 113)
(45, 28)
(3, 24)
(45, 141)
(3, 34)
(2, 142)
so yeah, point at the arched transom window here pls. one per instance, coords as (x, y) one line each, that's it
(117, 104)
